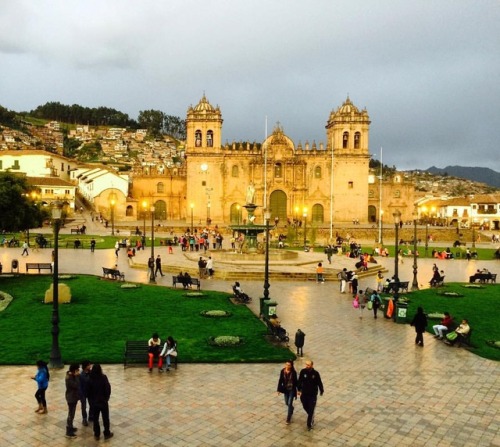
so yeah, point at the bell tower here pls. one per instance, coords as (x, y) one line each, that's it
(204, 161)
(347, 132)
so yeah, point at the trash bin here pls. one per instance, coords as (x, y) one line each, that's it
(15, 265)
(269, 308)
(401, 310)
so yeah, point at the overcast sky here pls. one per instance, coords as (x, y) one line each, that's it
(428, 72)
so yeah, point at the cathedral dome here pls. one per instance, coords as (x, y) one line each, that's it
(204, 106)
(348, 107)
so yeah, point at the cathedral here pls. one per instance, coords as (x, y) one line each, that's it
(323, 184)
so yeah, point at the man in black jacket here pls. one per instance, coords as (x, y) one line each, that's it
(308, 385)
(99, 392)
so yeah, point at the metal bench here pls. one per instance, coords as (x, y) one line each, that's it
(113, 274)
(194, 282)
(38, 266)
(136, 352)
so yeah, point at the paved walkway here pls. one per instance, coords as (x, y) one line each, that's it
(379, 388)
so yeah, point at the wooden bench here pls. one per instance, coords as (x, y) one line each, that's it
(113, 274)
(402, 286)
(75, 230)
(280, 335)
(463, 341)
(438, 282)
(38, 266)
(194, 282)
(483, 278)
(136, 352)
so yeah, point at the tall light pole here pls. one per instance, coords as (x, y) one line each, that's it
(267, 217)
(112, 203)
(397, 220)
(473, 235)
(414, 285)
(152, 279)
(55, 353)
(144, 212)
(381, 238)
(426, 238)
(192, 227)
(305, 228)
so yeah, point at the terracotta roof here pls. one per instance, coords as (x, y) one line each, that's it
(49, 181)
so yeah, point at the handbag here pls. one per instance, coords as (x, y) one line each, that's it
(369, 305)
(355, 304)
(452, 335)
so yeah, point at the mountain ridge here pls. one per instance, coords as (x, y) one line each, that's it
(476, 174)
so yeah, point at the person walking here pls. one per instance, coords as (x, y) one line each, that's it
(308, 385)
(210, 267)
(299, 342)
(99, 394)
(117, 248)
(151, 266)
(376, 303)
(158, 266)
(25, 249)
(419, 322)
(72, 397)
(84, 392)
(287, 385)
(92, 245)
(42, 378)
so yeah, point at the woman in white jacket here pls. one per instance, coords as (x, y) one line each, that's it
(169, 350)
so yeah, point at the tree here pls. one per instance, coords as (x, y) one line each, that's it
(152, 120)
(17, 210)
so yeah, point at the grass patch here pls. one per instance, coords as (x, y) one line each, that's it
(102, 316)
(481, 306)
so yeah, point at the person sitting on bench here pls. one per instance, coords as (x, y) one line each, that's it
(188, 282)
(154, 346)
(461, 332)
(277, 324)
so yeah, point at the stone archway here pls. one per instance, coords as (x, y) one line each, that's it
(372, 214)
(278, 205)
(160, 210)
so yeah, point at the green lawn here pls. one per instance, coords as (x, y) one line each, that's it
(102, 316)
(481, 306)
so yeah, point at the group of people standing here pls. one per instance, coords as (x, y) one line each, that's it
(87, 384)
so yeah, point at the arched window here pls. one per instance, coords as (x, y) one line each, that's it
(278, 170)
(317, 172)
(345, 140)
(235, 172)
(371, 193)
(129, 211)
(357, 140)
(317, 213)
(197, 138)
(160, 188)
(210, 138)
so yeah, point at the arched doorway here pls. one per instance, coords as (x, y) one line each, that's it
(235, 214)
(278, 205)
(317, 214)
(160, 210)
(372, 214)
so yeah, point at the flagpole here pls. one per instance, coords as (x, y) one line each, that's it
(380, 199)
(331, 196)
(265, 168)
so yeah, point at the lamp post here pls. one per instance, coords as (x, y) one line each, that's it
(397, 220)
(152, 279)
(144, 212)
(267, 217)
(473, 235)
(112, 203)
(192, 228)
(55, 353)
(414, 285)
(426, 238)
(381, 228)
(305, 228)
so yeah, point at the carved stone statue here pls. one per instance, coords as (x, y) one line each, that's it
(250, 193)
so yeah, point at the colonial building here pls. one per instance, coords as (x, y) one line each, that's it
(291, 180)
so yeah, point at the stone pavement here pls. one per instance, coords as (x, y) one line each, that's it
(380, 389)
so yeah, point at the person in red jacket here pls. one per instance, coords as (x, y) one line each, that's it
(445, 325)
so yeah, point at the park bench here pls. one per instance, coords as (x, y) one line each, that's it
(75, 230)
(280, 335)
(136, 352)
(194, 282)
(438, 283)
(38, 266)
(241, 297)
(483, 278)
(402, 287)
(465, 341)
(113, 274)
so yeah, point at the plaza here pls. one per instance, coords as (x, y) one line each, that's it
(379, 388)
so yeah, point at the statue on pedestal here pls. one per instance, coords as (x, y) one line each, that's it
(250, 197)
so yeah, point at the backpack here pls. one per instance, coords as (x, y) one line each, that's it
(355, 303)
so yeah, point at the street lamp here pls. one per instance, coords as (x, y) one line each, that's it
(144, 212)
(414, 285)
(426, 238)
(112, 203)
(397, 220)
(192, 206)
(55, 353)
(152, 279)
(305, 228)
(381, 228)
(267, 217)
(473, 235)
